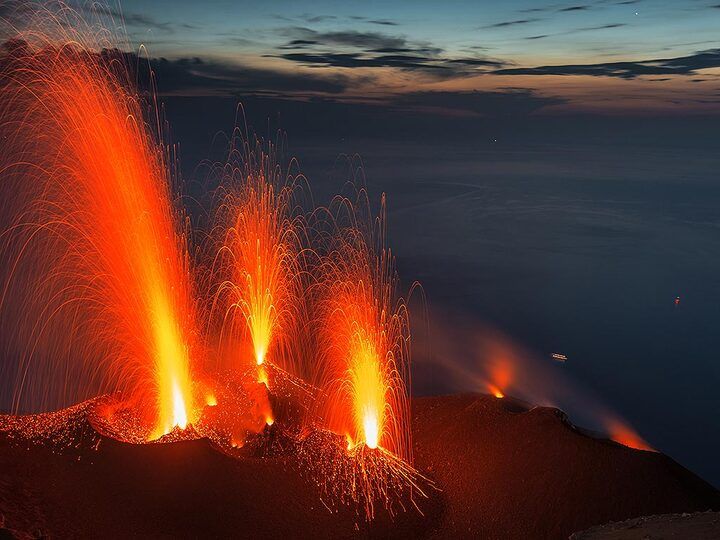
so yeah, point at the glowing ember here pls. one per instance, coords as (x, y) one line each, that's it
(360, 476)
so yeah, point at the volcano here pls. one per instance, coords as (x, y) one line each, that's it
(499, 470)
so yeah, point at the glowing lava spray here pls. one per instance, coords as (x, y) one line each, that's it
(257, 273)
(364, 337)
(96, 273)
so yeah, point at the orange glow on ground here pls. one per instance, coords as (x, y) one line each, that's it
(495, 391)
(625, 435)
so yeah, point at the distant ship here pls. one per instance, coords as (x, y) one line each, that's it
(559, 357)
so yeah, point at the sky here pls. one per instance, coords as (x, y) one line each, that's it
(451, 57)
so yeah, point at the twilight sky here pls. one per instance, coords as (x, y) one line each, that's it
(611, 56)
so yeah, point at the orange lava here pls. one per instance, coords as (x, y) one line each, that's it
(501, 370)
(257, 261)
(98, 251)
(625, 435)
(363, 336)
(495, 391)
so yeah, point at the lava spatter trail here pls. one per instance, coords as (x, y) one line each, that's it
(96, 279)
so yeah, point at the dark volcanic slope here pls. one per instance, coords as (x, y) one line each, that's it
(502, 474)
(698, 526)
(530, 475)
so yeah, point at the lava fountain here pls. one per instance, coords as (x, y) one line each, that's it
(364, 454)
(96, 274)
(257, 277)
(258, 262)
(363, 338)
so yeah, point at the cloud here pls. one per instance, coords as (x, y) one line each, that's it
(376, 50)
(509, 102)
(601, 27)
(475, 62)
(356, 60)
(427, 51)
(348, 38)
(684, 65)
(579, 30)
(299, 44)
(306, 17)
(135, 19)
(505, 24)
(535, 10)
(573, 8)
(570, 9)
(438, 67)
(317, 18)
(204, 76)
(383, 22)
(208, 77)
